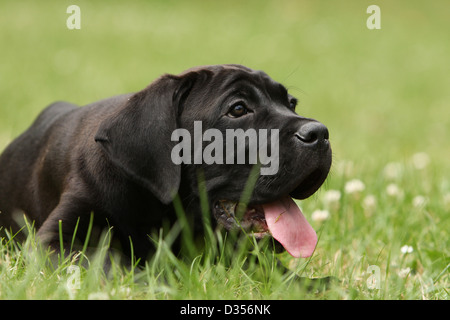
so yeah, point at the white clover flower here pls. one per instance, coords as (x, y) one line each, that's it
(393, 171)
(406, 249)
(331, 199)
(320, 215)
(420, 160)
(369, 203)
(354, 186)
(332, 196)
(419, 201)
(393, 190)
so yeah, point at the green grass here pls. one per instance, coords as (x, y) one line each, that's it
(382, 93)
(358, 236)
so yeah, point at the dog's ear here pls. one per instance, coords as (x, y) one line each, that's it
(137, 138)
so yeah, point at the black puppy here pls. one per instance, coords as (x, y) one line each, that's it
(115, 158)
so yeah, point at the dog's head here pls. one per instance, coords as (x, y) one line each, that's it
(233, 127)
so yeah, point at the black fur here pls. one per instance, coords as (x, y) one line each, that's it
(112, 157)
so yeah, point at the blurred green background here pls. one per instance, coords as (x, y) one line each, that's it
(384, 94)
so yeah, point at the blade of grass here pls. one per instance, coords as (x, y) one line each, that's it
(61, 243)
(210, 238)
(74, 235)
(88, 235)
(186, 230)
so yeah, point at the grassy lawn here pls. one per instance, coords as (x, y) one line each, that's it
(383, 214)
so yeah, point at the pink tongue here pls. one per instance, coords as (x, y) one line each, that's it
(289, 227)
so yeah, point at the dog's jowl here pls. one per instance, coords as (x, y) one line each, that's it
(115, 158)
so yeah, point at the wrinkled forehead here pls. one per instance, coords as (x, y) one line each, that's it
(226, 79)
(217, 87)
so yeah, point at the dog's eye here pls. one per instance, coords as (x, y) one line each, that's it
(238, 110)
(292, 103)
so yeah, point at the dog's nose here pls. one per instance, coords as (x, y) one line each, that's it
(312, 132)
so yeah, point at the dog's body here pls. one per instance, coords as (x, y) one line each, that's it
(113, 157)
(50, 173)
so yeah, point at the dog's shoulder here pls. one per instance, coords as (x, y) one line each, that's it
(50, 114)
(56, 109)
(60, 109)
(108, 105)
